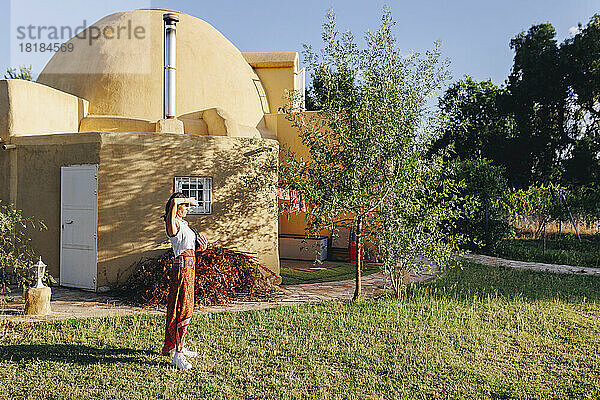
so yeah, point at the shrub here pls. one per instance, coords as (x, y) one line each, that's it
(16, 253)
(482, 187)
(566, 250)
(23, 72)
(542, 204)
(221, 274)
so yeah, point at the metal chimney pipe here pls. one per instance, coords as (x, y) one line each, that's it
(170, 69)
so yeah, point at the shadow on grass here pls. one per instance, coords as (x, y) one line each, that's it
(474, 280)
(8, 311)
(77, 354)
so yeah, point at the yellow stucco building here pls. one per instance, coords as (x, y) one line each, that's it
(88, 151)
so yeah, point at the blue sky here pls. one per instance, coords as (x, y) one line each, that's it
(475, 35)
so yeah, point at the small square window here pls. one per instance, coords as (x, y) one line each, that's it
(199, 188)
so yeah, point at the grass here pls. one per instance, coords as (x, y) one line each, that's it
(477, 332)
(340, 272)
(568, 251)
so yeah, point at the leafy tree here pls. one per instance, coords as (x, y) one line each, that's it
(585, 202)
(318, 92)
(364, 142)
(474, 126)
(482, 187)
(16, 253)
(544, 127)
(24, 72)
(520, 127)
(414, 226)
(315, 93)
(541, 203)
(581, 60)
(537, 99)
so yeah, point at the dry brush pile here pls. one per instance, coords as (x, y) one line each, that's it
(221, 275)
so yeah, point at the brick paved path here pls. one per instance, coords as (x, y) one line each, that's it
(72, 303)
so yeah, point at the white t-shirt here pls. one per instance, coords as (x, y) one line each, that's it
(184, 239)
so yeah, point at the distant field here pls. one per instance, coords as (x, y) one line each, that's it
(592, 228)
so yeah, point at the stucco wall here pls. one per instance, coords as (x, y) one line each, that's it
(136, 178)
(136, 172)
(4, 176)
(29, 108)
(212, 122)
(276, 71)
(111, 123)
(124, 76)
(288, 137)
(39, 159)
(275, 82)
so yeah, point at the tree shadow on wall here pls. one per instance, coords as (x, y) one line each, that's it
(136, 179)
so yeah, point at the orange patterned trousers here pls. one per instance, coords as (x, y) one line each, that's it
(180, 305)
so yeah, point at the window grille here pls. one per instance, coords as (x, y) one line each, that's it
(199, 188)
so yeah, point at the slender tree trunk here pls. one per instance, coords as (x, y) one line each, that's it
(544, 240)
(357, 289)
(559, 228)
(487, 219)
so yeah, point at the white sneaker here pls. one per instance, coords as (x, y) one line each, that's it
(186, 352)
(180, 362)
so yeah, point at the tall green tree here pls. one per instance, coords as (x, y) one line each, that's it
(543, 127)
(537, 99)
(475, 125)
(581, 63)
(482, 186)
(364, 141)
(522, 127)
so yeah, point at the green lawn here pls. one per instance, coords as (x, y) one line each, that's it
(340, 272)
(567, 251)
(479, 332)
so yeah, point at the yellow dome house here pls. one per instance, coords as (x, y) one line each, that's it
(95, 147)
(123, 78)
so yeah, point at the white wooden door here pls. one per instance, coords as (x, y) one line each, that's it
(79, 226)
